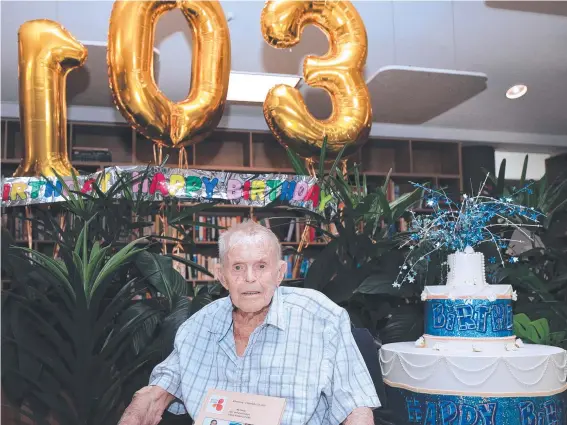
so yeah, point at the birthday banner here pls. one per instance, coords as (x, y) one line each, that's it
(257, 190)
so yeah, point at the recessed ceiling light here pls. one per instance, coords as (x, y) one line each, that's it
(516, 91)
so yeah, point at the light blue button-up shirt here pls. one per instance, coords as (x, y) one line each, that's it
(304, 352)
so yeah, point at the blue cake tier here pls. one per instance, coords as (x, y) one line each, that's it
(413, 408)
(469, 318)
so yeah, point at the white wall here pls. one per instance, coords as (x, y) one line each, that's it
(515, 163)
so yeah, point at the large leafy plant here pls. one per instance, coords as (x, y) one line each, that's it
(540, 274)
(79, 332)
(357, 267)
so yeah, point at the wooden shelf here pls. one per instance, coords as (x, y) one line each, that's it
(253, 152)
(248, 152)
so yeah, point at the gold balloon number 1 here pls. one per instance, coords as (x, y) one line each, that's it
(48, 52)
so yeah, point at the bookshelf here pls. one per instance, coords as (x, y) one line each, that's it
(438, 163)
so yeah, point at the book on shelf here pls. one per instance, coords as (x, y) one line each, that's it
(211, 234)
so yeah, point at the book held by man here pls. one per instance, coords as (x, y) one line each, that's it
(232, 408)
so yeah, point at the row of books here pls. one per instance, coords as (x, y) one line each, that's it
(209, 263)
(287, 229)
(210, 234)
(303, 268)
(18, 226)
(206, 261)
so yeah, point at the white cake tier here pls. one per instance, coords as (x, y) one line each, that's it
(530, 370)
(468, 345)
(466, 269)
(488, 292)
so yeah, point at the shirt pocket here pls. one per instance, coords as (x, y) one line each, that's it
(301, 394)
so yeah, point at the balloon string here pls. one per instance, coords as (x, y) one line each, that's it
(162, 218)
(29, 227)
(183, 159)
(158, 154)
(57, 246)
(344, 168)
(183, 163)
(310, 165)
(304, 241)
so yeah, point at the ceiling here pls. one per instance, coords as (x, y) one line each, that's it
(509, 42)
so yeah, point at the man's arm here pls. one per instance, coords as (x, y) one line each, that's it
(351, 394)
(360, 416)
(147, 406)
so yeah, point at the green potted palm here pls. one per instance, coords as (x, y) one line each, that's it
(82, 331)
(540, 274)
(358, 265)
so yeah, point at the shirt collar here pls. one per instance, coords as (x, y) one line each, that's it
(276, 313)
(222, 318)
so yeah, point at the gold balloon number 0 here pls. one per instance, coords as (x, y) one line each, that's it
(339, 72)
(130, 64)
(48, 52)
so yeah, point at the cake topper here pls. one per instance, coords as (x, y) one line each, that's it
(460, 227)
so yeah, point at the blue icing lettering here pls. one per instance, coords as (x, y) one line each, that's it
(488, 413)
(498, 318)
(431, 409)
(527, 414)
(414, 410)
(468, 416)
(482, 318)
(439, 319)
(430, 414)
(449, 412)
(550, 409)
(446, 317)
(450, 322)
(465, 317)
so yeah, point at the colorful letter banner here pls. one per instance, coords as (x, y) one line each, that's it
(257, 190)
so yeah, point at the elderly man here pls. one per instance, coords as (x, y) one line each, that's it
(262, 339)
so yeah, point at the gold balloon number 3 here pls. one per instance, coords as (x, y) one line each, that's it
(339, 72)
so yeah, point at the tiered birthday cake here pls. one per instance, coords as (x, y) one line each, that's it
(468, 368)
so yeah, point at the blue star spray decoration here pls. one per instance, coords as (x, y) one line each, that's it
(454, 226)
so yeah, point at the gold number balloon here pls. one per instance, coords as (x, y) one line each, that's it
(339, 72)
(47, 52)
(130, 67)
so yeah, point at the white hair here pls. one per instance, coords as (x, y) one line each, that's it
(247, 232)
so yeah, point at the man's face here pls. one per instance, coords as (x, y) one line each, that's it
(251, 272)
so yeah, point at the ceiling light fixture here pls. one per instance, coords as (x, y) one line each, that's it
(516, 91)
(253, 87)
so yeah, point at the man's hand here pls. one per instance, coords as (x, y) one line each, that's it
(147, 406)
(360, 416)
